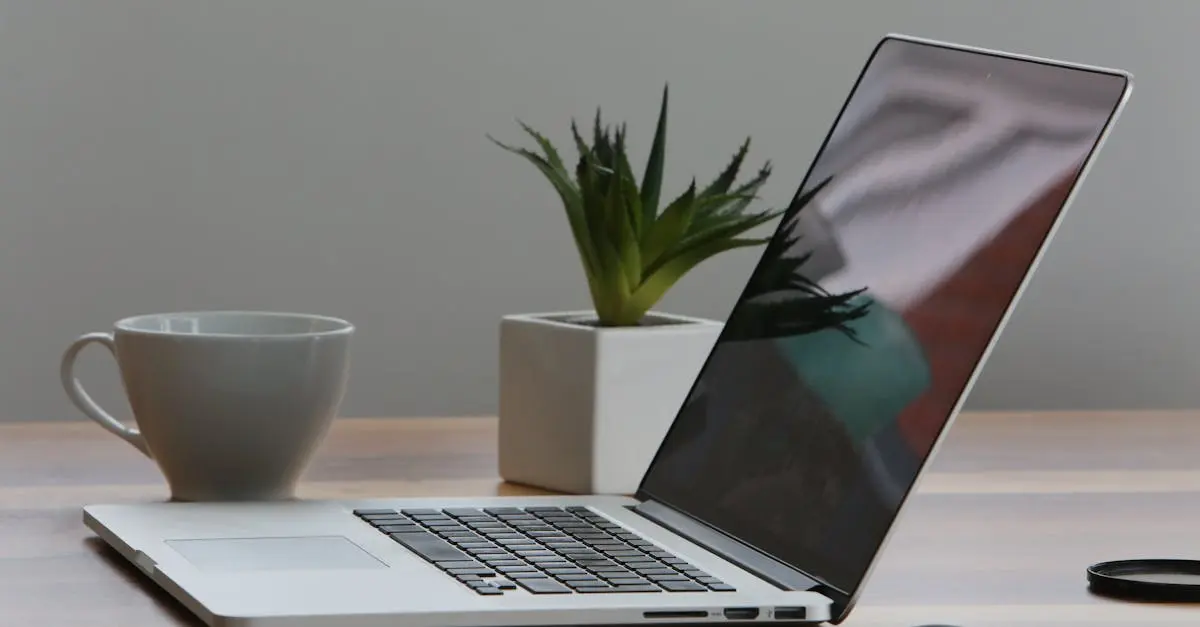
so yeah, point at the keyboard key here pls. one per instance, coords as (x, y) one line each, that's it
(529, 553)
(601, 563)
(580, 584)
(430, 546)
(682, 586)
(497, 511)
(483, 546)
(532, 574)
(708, 580)
(458, 564)
(387, 519)
(504, 561)
(671, 577)
(721, 587)
(505, 585)
(694, 572)
(637, 588)
(489, 591)
(544, 510)
(511, 570)
(479, 572)
(399, 528)
(650, 572)
(583, 555)
(518, 518)
(546, 559)
(446, 527)
(627, 581)
(503, 536)
(543, 586)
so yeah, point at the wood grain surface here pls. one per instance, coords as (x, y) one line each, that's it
(1013, 510)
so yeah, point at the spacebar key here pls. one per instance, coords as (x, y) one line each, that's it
(430, 546)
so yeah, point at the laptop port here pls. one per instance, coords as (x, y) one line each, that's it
(675, 614)
(790, 613)
(741, 613)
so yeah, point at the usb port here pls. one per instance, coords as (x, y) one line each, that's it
(790, 613)
(741, 613)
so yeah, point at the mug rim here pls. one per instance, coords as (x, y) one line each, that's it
(338, 326)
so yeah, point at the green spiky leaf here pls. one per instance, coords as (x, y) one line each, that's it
(670, 227)
(725, 180)
(653, 178)
(571, 199)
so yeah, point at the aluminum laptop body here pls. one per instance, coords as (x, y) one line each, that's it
(838, 371)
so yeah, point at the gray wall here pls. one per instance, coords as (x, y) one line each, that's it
(330, 156)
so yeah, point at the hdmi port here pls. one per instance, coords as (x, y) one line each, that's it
(741, 613)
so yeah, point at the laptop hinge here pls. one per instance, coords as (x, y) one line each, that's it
(757, 562)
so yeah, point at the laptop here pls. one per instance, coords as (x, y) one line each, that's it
(842, 363)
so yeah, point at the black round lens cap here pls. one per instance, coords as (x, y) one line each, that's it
(1163, 580)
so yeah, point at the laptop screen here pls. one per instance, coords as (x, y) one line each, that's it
(877, 298)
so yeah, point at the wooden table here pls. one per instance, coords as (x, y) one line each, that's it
(1014, 509)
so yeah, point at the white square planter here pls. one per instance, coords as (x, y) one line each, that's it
(583, 409)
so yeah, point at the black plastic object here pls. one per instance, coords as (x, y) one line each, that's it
(1163, 580)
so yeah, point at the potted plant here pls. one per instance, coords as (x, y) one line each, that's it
(586, 396)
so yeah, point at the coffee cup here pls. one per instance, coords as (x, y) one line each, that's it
(231, 405)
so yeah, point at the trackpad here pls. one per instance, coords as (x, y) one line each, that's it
(297, 553)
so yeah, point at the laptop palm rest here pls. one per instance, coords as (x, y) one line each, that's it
(274, 554)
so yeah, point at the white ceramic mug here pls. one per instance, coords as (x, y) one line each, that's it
(231, 405)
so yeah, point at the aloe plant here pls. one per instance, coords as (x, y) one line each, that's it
(633, 247)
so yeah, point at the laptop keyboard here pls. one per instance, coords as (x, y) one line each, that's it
(543, 550)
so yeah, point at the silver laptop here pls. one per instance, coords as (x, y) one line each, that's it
(839, 368)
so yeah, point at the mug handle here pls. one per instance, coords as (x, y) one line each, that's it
(80, 398)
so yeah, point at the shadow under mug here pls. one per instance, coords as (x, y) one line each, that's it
(231, 405)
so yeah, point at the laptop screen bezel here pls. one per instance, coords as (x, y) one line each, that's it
(844, 600)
